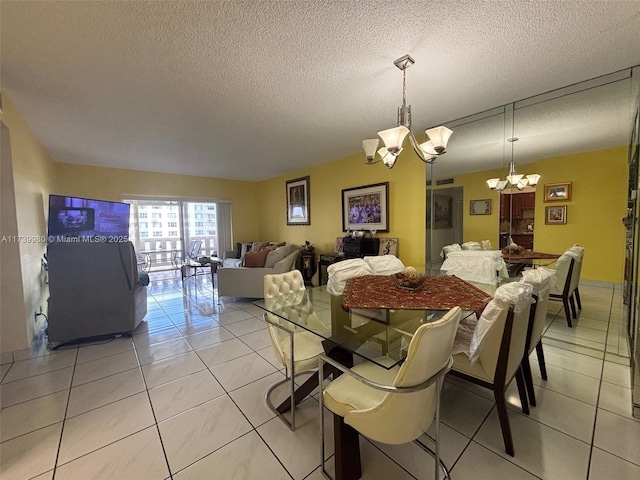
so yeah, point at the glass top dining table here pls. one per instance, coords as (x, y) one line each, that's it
(379, 333)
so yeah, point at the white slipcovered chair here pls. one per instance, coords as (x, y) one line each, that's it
(496, 349)
(296, 348)
(568, 268)
(541, 279)
(398, 405)
(484, 266)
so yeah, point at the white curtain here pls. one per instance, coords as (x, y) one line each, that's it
(223, 216)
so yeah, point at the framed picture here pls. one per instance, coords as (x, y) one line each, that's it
(557, 192)
(556, 215)
(338, 247)
(443, 211)
(388, 246)
(480, 207)
(366, 208)
(298, 202)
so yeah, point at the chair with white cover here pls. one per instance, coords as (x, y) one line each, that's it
(568, 268)
(484, 266)
(496, 349)
(296, 348)
(398, 405)
(541, 279)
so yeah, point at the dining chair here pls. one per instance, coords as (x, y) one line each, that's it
(579, 255)
(567, 272)
(397, 405)
(541, 279)
(497, 348)
(295, 348)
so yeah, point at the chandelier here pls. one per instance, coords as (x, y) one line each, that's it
(393, 138)
(514, 179)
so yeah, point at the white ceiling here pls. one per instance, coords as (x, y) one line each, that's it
(254, 89)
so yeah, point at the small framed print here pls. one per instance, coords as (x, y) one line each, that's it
(556, 215)
(298, 201)
(557, 192)
(388, 246)
(480, 207)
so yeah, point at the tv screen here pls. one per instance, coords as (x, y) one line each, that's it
(71, 217)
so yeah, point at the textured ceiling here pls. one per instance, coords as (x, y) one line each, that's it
(255, 89)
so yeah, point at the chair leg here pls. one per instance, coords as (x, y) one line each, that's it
(577, 294)
(501, 406)
(573, 306)
(541, 364)
(567, 313)
(522, 391)
(528, 380)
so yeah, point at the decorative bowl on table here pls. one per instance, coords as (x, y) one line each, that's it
(409, 279)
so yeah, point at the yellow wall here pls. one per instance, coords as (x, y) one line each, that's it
(33, 179)
(406, 203)
(114, 184)
(259, 212)
(594, 213)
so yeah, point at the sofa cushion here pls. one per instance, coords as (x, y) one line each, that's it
(278, 254)
(255, 259)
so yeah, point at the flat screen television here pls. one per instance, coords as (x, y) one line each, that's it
(85, 218)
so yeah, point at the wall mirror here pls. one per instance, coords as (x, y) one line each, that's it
(590, 116)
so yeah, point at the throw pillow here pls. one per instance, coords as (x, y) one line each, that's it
(278, 254)
(257, 246)
(255, 259)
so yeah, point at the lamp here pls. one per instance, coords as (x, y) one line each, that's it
(515, 179)
(393, 138)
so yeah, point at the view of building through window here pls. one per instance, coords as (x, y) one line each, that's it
(167, 228)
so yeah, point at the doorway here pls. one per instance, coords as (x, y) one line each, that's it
(517, 214)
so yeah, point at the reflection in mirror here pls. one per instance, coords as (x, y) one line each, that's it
(476, 145)
(577, 134)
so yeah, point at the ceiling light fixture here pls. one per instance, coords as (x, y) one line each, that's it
(516, 180)
(393, 138)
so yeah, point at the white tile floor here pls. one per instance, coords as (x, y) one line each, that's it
(183, 399)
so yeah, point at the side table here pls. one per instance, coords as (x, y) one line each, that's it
(307, 265)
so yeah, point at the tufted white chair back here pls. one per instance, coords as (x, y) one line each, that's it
(276, 285)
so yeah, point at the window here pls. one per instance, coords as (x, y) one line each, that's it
(185, 221)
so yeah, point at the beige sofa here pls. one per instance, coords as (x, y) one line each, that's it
(238, 281)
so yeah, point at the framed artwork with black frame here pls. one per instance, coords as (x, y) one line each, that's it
(366, 208)
(298, 211)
